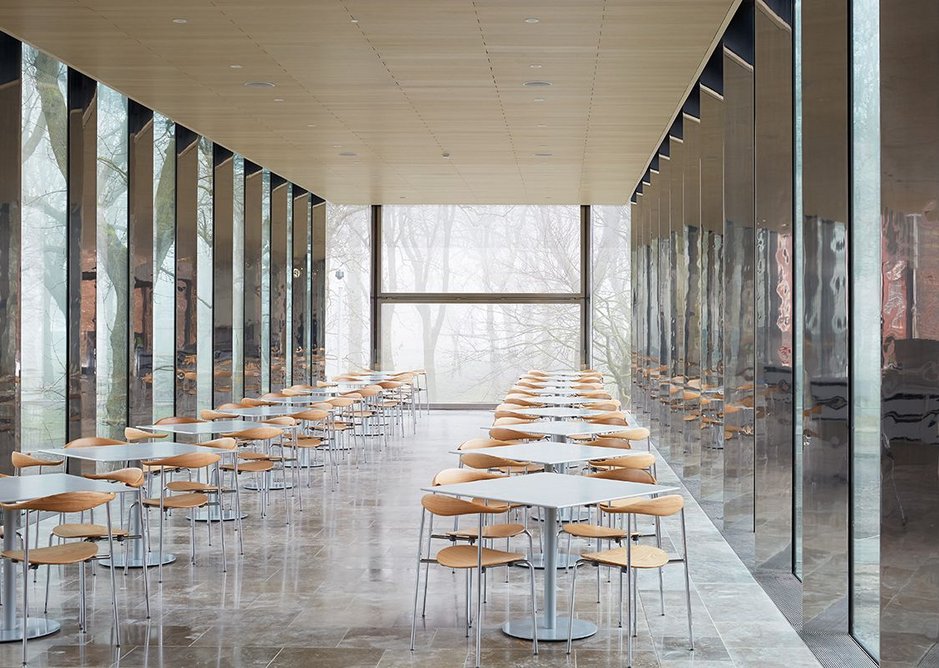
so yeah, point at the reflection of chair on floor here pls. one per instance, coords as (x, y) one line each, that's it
(887, 469)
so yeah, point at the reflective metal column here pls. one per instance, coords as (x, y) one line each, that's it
(278, 282)
(187, 174)
(222, 263)
(300, 277)
(252, 279)
(318, 292)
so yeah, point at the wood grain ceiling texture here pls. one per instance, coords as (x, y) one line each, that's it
(398, 84)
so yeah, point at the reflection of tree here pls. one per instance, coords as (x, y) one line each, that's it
(347, 309)
(611, 306)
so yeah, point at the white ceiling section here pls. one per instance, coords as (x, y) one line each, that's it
(397, 83)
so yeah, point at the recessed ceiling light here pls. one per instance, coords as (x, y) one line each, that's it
(259, 84)
(348, 154)
(337, 145)
(446, 154)
(538, 99)
(311, 125)
(278, 99)
(537, 84)
(353, 20)
(535, 66)
(235, 67)
(180, 21)
(543, 155)
(532, 19)
(542, 125)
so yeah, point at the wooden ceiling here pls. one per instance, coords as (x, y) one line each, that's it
(395, 84)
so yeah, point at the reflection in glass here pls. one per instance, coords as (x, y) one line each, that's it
(610, 227)
(223, 275)
(280, 196)
(469, 248)
(472, 352)
(43, 251)
(204, 271)
(252, 279)
(164, 265)
(112, 275)
(318, 281)
(265, 281)
(347, 287)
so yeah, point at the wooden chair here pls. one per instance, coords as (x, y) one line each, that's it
(189, 495)
(482, 443)
(249, 402)
(93, 442)
(637, 557)
(22, 461)
(178, 419)
(489, 462)
(66, 554)
(228, 444)
(210, 415)
(467, 558)
(314, 435)
(255, 457)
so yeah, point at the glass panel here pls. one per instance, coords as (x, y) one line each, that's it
(187, 263)
(865, 254)
(288, 291)
(798, 311)
(300, 287)
(265, 281)
(473, 352)
(347, 287)
(204, 273)
(238, 278)
(280, 195)
(112, 275)
(468, 248)
(44, 251)
(610, 227)
(164, 264)
(318, 298)
(252, 280)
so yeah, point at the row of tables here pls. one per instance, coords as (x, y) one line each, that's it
(553, 491)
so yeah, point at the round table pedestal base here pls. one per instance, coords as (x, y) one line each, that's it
(36, 627)
(563, 561)
(521, 628)
(153, 559)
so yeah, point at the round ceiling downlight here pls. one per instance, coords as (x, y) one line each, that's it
(537, 84)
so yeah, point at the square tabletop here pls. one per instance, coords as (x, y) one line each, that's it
(133, 452)
(550, 490)
(552, 453)
(202, 428)
(314, 398)
(559, 412)
(554, 428)
(261, 411)
(557, 400)
(25, 487)
(556, 391)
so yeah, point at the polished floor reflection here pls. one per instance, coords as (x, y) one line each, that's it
(335, 589)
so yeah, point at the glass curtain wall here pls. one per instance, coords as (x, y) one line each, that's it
(131, 265)
(348, 234)
(491, 291)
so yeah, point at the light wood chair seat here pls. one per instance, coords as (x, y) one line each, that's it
(490, 531)
(191, 486)
(467, 556)
(85, 532)
(21, 460)
(57, 555)
(255, 456)
(641, 556)
(255, 466)
(620, 504)
(594, 531)
(189, 500)
(309, 442)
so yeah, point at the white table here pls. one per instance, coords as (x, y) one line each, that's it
(134, 454)
(556, 392)
(559, 412)
(557, 400)
(551, 492)
(202, 428)
(25, 488)
(564, 430)
(261, 411)
(552, 454)
(310, 398)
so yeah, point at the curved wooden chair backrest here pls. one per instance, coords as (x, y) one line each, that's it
(68, 502)
(224, 443)
(209, 415)
(506, 434)
(611, 420)
(21, 460)
(250, 402)
(132, 477)
(661, 506)
(631, 434)
(340, 402)
(448, 506)
(257, 434)
(503, 421)
(229, 406)
(483, 443)
(282, 420)
(638, 460)
(483, 461)
(626, 475)
(455, 476)
(190, 460)
(178, 419)
(272, 395)
(311, 415)
(134, 435)
(595, 394)
(93, 442)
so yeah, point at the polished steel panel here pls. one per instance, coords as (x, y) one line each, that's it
(300, 295)
(187, 177)
(739, 246)
(223, 277)
(238, 278)
(318, 292)
(265, 283)
(909, 172)
(141, 236)
(773, 425)
(826, 427)
(10, 164)
(82, 254)
(204, 276)
(691, 221)
(252, 279)
(712, 302)
(278, 283)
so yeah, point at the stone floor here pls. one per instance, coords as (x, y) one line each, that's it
(334, 589)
